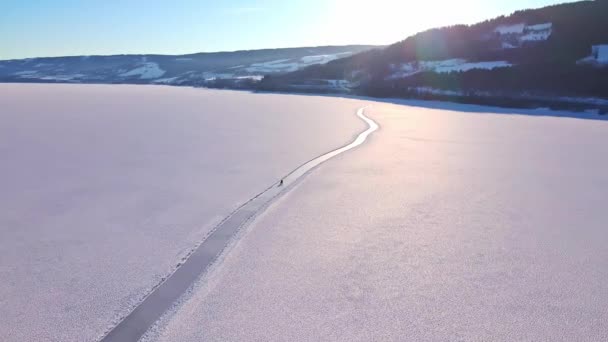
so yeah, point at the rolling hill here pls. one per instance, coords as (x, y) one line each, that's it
(200, 69)
(532, 57)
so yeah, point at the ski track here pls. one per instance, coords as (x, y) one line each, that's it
(133, 326)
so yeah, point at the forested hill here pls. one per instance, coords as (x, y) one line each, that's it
(199, 69)
(554, 52)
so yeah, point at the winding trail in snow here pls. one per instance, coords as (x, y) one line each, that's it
(133, 326)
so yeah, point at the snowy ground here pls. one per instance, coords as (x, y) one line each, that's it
(445, 226)
(105, 188)
(444, 66)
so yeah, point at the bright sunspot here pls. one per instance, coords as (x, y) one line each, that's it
(396, 19)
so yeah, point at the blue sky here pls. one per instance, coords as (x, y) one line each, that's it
(37, 28)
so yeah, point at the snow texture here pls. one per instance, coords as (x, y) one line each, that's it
(475, 65)
(106, 188)
(25, 72)
(535, 36)
(210, 76)
(289, 65)
(517, 34)
(435, 91)
(273, 66)
(444, 226)
(510, 29)
(443, 66)
(149, 70)
(322, 59)
(540, 27)
(167, 80)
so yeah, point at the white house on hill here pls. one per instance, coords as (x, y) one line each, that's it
(600, 53)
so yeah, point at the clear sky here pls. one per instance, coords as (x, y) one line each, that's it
(40, 28)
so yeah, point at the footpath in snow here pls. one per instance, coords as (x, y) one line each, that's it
(444, 226)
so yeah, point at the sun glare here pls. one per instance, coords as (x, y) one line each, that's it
(394, 19)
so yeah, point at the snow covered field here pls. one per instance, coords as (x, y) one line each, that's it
(105, 188)
(444, 226)
(290, 65)
(517, 34)
(445, 66)
(449, 223)
(148, 70)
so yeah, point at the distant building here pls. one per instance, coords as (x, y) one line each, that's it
(598, 57)
(600, 53)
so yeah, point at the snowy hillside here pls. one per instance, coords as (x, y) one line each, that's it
(194, 69)
(513, 36)
(556, 56)
(445, 66)
(146, 71)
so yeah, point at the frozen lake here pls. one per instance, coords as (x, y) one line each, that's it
(444, 226)
(450, 223)
(106, 188)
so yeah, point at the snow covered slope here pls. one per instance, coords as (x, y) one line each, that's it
(445, 66)
(532, 52)
(515, 35)
(146, 71)
(195, 69)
